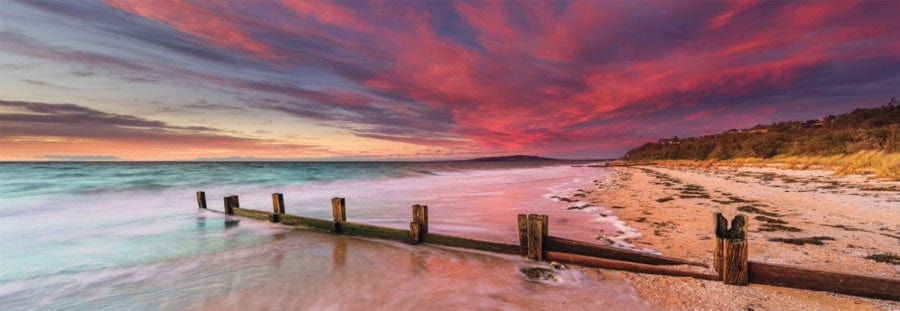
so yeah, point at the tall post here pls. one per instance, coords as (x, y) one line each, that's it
(230, 203)
(201, 199)
(522, 220)
(536, 236)
(734, 261)
(721, 231)
(418, 228)
(339, 213)
(277, 207)
(420, 215)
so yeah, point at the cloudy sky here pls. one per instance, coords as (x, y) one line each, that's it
(158, 80)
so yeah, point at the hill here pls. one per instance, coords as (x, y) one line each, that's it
(859, 130)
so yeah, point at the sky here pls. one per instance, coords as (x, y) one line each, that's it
(371, 80)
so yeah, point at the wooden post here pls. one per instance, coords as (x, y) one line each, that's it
(545, 231)
(415, 232)
(278, 203)
(535, 237)
(734, 261)
(418, 230)
(420, 215)
(201, 199)
(230, 203)
(338, 213)
(721, 231)
(523, 233)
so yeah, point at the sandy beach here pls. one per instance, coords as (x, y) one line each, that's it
(802, 218)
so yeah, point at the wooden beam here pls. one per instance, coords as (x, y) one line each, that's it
(558, 244)
(293, 220)
(372, 231)
(201, 199)
(446, 240)
(857, 285)
(250, 213)
(624, 266)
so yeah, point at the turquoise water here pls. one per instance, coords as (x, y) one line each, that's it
(99, 235)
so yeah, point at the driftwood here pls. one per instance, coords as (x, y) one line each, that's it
(625, 266)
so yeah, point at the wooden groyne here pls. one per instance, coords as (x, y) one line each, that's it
(730, 255)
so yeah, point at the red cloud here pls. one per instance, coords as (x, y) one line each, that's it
(212, 23)
(530, 75)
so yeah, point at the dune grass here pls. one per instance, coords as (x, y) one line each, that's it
(882, 164)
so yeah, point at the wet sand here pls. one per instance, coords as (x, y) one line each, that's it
(808, 219)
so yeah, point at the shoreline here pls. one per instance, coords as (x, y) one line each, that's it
(808, 219)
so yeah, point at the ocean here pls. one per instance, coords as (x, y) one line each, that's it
(129, 236)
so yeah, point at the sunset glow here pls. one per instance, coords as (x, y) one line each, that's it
(182, 80)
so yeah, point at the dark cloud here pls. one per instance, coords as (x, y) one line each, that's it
(46, 84)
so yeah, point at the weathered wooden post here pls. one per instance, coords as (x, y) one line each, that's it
(277, 207)
(734, 261)
(201, 199)
(420, 215)
(230, 203)
(338, 213)
(522, 220)
(418, 228)
(415, 233)
(721, 231)
(536, 234)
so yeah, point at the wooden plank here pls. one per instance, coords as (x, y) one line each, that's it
(201, 199)
(293, 220)
(249, 213)
(857, 285)
(371, 231)
(446, 240)
(625, 266)
(558, 244)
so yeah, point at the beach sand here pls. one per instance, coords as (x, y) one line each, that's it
(672, 207)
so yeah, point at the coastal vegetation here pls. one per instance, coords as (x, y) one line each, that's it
(865, 140)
